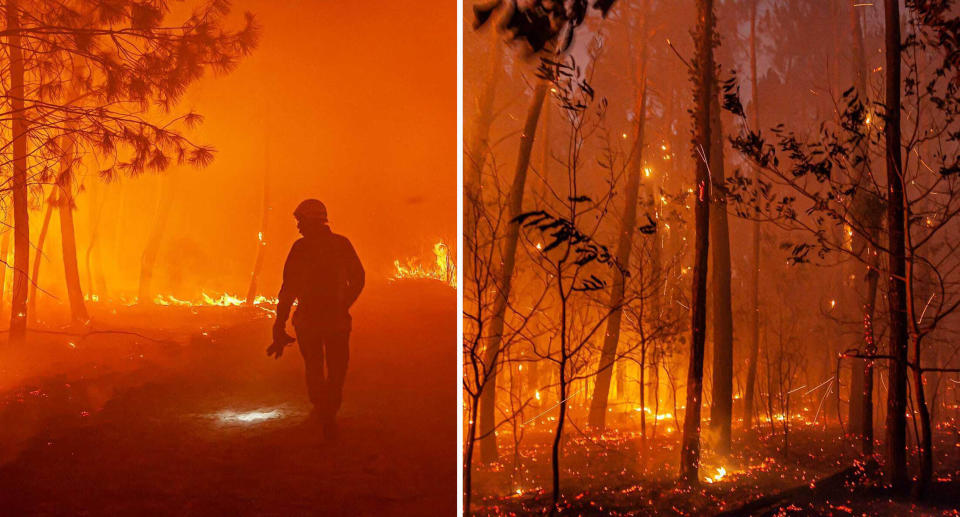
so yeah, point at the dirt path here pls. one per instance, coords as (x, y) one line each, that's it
(172, 444)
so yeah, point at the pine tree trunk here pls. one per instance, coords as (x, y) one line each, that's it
(751, 387)
(150, 252)
(608, 354)
(78, 311)
(41, 240)
(896, 286)
(721, 409)
(21, 215)
(488, 399)
(704, 79)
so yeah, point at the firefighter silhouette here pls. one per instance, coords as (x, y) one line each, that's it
(324, 276)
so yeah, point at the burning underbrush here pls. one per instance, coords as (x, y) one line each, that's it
(618, 472)
(443, 267)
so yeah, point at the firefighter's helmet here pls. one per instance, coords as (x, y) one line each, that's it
(311, 209)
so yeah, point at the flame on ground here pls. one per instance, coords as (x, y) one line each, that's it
(716, 477)
(205, 300)
(443, 269)
(223, 300)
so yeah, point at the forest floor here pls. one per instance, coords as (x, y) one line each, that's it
(616, 474)
(198, 420)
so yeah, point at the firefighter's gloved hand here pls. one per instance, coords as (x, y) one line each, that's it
(280, 340)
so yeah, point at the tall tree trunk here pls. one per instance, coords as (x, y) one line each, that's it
(21, 215)
(150, 252)
(488, 400)
(721, 409)
(472, 185)
(78, 311)
(261, 238)
(896, 286)
(608, 354)
(751, 387)
(867, 212)
(704, 79)
(41, 240)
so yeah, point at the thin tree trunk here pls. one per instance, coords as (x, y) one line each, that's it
(32, 299)
(66, 205)
(721, 409)
(643, 412)
(866, 399)
(750, 393)
(488, 399)
(608, 354)
(261, 239)
(926, 438)
(896, 290)
(94, 258)
(4, 255)
(149, 258)
(562, 373)
(21, 215)
(690, 443)
(468, 459)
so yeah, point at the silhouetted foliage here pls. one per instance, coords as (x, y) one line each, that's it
(542, 22)
(103, 70)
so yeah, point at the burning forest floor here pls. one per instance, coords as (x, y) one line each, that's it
(617, 474)
(197, 420)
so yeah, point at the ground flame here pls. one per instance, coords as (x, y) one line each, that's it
(443, 269)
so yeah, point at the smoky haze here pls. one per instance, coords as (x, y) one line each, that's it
(348, 105)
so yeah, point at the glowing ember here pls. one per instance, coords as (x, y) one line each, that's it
(444, 269)
(248, 417)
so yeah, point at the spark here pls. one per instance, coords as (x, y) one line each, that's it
(551, 407)
(925, 307)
